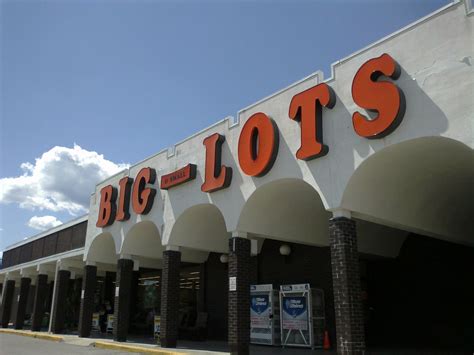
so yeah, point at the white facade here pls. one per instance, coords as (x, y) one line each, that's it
(419, 178)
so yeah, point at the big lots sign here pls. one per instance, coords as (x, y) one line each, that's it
(258, 141)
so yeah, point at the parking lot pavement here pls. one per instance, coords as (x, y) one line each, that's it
(17, 345)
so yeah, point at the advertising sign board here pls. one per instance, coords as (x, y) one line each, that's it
(264, 315)
(95, 321)
(110, 323)
(294, 313)
(157, 326)
(302, 315)
(259, 311)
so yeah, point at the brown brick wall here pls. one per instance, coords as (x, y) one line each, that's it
(79, 235)
(7, 302)
(239, 300)
(169, 298)
(346, 286)
(59, 309)
(68, 239)
(41, 293)
(50, 243)
(37, 249)
(26, 252)
(87, 302)
(122, 303)
(22, 301)
(64, 241)
(15, 256)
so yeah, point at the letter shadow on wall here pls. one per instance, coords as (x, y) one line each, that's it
(422, 116)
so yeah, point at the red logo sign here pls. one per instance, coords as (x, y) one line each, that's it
(178, 177)
(259, 138)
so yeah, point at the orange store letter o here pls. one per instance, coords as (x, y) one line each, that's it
(258, 145)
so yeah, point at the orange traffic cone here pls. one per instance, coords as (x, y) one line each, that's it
(326, 342)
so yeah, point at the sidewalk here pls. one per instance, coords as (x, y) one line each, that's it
(130, 346)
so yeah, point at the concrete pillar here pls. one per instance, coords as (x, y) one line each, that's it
(41, 293)
(87, 300)
(123, 288)
(239, 295)
(346, 286)
(25, 283)
(170, 298)
(61, 286)
(7, 302)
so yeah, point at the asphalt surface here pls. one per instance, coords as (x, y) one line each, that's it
(19, 345)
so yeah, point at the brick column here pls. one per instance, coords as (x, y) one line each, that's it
(41, 292)
(346, 286)
(87, 300)
(123, 288)
(109, 293)
(239, 299)
(25, 283)
(61, 286)
(170, 298)
(7, 302)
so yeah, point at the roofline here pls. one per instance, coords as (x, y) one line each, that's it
(48, 232)
(45, 260)
(452, 4)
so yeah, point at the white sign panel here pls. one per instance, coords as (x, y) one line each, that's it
(260, 311)
(95, 321)
(157, 326)
(110, 322)
(233, 283)
(294, 313)
(264, 322)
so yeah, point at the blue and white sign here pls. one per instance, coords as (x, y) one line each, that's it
(262, 315)
(259, 311)
(259, 303)
(295, 313)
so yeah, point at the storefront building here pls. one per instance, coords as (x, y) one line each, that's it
(360, 185)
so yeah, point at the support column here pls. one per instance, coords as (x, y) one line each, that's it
(170, 298)
(61, 286)
(239, 295)
(22, 300)
(122, 299)
(7, 302)
(87, 300)
(346, 285)
(41, 292)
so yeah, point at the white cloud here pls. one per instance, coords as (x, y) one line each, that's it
(43, 223)
(62, 179)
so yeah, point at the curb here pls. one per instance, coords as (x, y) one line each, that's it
(36, 335)
(134, 348)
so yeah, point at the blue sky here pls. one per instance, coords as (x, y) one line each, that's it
(77, 75)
